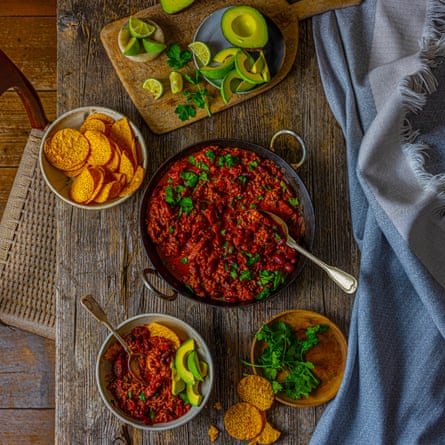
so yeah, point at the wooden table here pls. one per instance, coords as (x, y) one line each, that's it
(101, 252)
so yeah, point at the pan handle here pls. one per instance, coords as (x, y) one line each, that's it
(308, 8)
(300, 140)
(160, 294)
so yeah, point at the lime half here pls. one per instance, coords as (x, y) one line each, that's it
(132, 47)
(202, 52)
(140, 29)
(176, 82)
(154, 86)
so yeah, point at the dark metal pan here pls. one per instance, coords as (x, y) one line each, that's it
(158, 267)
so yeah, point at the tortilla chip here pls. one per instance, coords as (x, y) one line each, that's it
(102, 117)
(243, 421)
(268, 435)
(67, 149)
(159, 330)
(135, 182)
(126, 166)
(87, 185)
(122, 133)
(256, 390)
(114, 162)
(101, 151)
(94, 125)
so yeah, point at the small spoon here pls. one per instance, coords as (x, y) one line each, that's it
(347, 282)
(89, 303)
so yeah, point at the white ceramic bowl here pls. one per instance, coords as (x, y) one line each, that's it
(184, 331)
(57, 181)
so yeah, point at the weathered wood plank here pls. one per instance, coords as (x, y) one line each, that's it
(33, 52)
(25, 427)
(27, 372)
(112, 274)
(28, 8)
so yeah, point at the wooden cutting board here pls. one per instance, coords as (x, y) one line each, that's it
(180, 28)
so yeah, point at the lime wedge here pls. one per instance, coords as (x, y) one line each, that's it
(202, 52)
(176, 82)
(140, 29)
(132, 47)
(154, 86)
(153, 47)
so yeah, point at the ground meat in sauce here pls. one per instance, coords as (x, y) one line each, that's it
(152, 403)
(203, 218)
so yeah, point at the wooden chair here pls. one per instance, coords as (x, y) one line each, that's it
(12, 77)
(27, 228)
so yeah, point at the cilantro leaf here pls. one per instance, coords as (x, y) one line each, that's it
(177, 57)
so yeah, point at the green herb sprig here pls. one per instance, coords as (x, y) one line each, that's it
(285, 353)
(196, 98)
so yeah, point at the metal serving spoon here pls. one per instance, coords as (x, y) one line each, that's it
(89, 303)
(345, 281)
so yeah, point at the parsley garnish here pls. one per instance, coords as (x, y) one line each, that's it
(177, 57)
(285, 352)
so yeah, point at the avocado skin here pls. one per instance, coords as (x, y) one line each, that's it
(174, 6)
(235, 14)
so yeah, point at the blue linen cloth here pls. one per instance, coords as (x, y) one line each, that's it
(383, 73)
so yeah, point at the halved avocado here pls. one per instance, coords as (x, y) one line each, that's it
(193, 394)
(243, 66)
(181, 361)
(173, 6)
(245, 27)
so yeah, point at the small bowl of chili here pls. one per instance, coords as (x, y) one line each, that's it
(168, 399)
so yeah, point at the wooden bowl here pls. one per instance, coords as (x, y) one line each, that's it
(329, 356)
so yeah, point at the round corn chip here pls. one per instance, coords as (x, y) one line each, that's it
(268, 435)
(101, 151)
(76, 172)
(159, 330)
(135, 183)
(67, 149)
(99, 174)
(93, 124)
(243, 421)
(102, 117)
(86, 186)
(104, 194)
(256, 390)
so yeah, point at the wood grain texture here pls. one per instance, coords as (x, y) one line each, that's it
(109, 255)
(27, 365)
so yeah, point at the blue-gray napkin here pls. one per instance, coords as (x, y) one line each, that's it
(382, 69)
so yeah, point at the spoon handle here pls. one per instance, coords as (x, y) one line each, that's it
(93, 307)
(344, 280)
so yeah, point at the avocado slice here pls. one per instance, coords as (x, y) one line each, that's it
(222, 55)
(193, 394)
(178, 385)
(174, 6)
(243, 66)
(245, 27)
(229, 85)
(220, 70)
(194, 366)
(181, 361)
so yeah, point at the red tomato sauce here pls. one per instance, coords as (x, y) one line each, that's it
(152, 403)
(203, 218)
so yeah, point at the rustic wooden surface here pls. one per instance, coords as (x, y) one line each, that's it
(101, 252)
(180, 28)
(27, 364)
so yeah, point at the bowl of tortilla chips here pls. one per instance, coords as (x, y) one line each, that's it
(93, 158)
